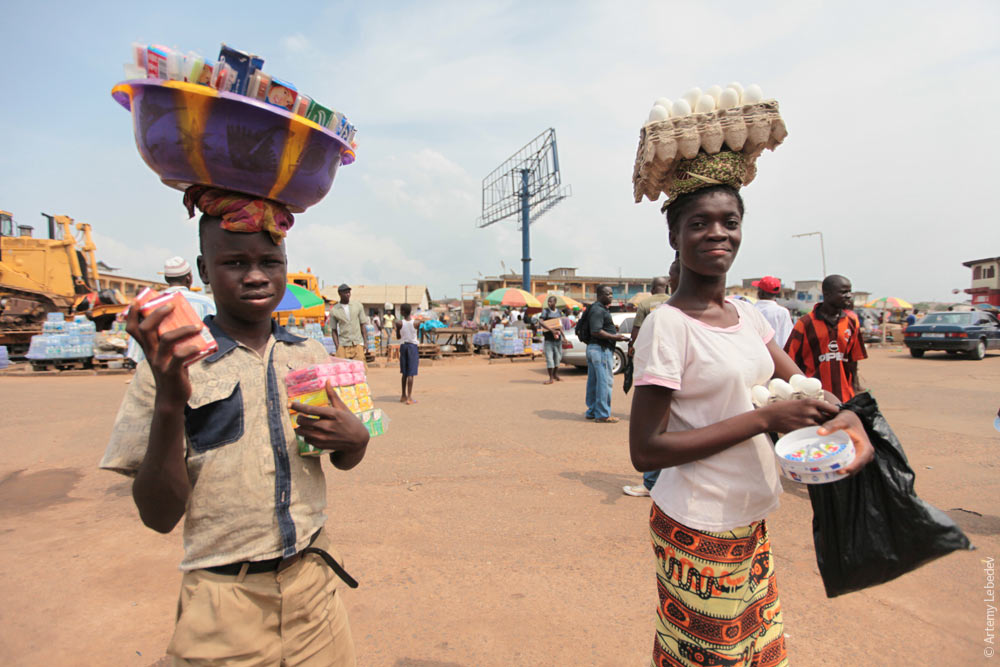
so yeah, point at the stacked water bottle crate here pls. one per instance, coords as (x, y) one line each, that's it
(4, 357)
(63, 340)
(506, 340)
(314, 330)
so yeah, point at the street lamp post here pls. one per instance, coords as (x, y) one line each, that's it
(822, 248)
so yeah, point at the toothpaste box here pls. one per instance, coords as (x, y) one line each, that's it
(156, 62)
(282, 94)
(319, 114)
(243, 65)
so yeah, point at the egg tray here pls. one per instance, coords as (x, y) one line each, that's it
(748, 129)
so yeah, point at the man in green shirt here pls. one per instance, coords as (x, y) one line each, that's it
(346, 326)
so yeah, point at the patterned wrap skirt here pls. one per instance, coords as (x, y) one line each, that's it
(718, 595)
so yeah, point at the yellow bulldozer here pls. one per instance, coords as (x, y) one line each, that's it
(44, 275)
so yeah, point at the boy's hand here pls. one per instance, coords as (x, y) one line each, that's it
(849, 422)
(166, 354)
(332, 427)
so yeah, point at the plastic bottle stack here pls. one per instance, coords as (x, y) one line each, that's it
(4, 357)
(507, 340)
(63, 340)
(370, 338)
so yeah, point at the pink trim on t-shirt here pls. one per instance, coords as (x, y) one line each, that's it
(735, 327)
(769, 337)
(648, 379)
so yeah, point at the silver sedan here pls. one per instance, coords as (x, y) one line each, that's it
(578, 355)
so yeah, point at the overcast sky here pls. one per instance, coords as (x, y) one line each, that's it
(891, 110)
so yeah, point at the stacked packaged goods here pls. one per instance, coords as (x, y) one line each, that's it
(370, 338)
(63, 340)
(4, 357)
(312, 330)
(234, 72)
(507, 340)
(347, 378)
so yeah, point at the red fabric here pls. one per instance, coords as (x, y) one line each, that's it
(240, 212)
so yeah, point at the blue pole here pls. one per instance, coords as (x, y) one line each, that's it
(525, 233)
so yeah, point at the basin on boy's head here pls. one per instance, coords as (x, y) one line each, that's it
(188, 134)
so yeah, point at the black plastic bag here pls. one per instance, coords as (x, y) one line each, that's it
(871, 528)
(629, 369)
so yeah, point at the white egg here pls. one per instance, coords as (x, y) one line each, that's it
(658, 113)
(780, 389)
(737, 86)
(680, 108)
(728, 99)
(752, 94)
(664, 102)
(692, 96)
(812, 387)
(796, 381)
(714, 91)
(706, 104)
(759, 395)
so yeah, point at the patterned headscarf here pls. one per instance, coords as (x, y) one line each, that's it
(704, 170)
(240, 212)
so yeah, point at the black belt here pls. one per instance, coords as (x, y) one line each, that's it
(279, 564)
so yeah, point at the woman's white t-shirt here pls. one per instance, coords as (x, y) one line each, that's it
(711, 370)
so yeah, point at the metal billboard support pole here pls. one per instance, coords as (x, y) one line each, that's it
(540, 188)
(525, 231)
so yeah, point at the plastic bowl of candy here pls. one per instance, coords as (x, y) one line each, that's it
(193, 134)
(809, 458)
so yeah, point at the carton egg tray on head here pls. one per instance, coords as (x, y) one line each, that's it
(747, 129)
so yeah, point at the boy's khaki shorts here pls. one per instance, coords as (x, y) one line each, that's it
(292, 617)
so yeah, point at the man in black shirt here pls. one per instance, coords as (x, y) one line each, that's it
(600, 356)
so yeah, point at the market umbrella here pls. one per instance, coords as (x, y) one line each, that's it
(889, 303)
(562, 301)
(639, 298)
(297, 297)
(511, 296)
(987, 307)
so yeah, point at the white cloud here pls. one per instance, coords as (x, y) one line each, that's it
(296, 44)
(352, 253)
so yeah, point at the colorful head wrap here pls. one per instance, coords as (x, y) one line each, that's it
(240, 212)
(703, 170)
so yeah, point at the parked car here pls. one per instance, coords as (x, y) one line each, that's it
(971, 332)
(578, 355)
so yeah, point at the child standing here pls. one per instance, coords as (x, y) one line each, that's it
(212, 443)
(409, 353)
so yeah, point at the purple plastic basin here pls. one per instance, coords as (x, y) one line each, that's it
(188, 134)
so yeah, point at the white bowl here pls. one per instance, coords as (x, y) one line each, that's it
(807, 457)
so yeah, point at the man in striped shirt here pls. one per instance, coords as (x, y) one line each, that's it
(827, 343)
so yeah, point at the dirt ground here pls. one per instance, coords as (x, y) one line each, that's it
(488, 527)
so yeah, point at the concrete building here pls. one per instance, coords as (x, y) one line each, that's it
(563, 279)
(809, 292)
(129, 287)
(985, 286)
(374, 297)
